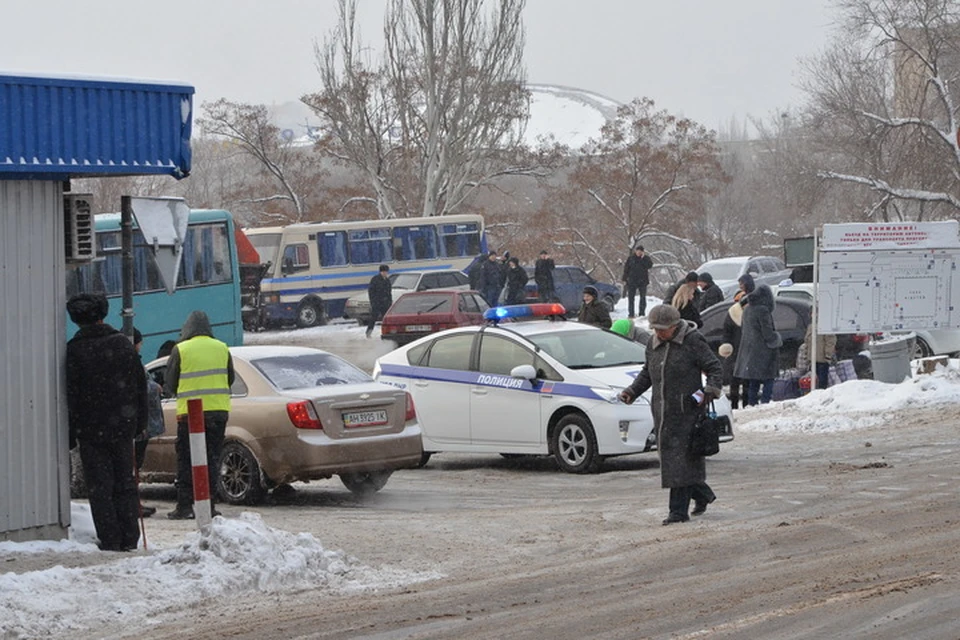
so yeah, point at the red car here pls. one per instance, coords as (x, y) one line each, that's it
(420, 313)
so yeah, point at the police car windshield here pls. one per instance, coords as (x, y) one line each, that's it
(590, 349)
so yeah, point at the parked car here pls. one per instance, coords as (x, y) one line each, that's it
(357, 306)
(527, 388)
(929, 342)
(790, 317)
(299, 414)
(568, 282)
(726, 272)
(419, 313)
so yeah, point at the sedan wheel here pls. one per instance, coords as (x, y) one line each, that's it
(240, 481)
(921, 349)
(365, 483)
(575, 445)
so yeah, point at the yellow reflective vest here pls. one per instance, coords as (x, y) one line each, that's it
(203, 374)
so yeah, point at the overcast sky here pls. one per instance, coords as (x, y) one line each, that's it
(704, 59)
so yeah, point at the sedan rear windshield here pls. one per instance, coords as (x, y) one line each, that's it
(590, 349)
(405, 280)
(308, 370)
(423, 304)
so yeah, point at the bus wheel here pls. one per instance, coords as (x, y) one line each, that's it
(310, 314)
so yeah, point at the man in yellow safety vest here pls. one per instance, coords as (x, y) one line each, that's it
(199, 366)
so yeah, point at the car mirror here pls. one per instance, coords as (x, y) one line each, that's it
(524, 371)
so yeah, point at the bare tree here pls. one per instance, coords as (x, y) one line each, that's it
(646, 179)
(883, 106)
(440, 115)
(293, 170)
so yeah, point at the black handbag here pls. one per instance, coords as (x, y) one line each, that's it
(705, 438)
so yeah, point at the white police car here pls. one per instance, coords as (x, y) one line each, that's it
(538, 387)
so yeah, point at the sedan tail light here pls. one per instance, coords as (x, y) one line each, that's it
(411, 410)
(303, 415)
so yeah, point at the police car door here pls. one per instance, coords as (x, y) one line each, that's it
(505, 411)
(442, 391)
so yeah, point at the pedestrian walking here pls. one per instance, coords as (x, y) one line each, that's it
(678, 357)
(199, 366)
(685, 296)
(106, 410)
(543, 276)
(592, 311)
(516, 282)
(636, 278)
(710, 293)
(757, 358)
(380, 294)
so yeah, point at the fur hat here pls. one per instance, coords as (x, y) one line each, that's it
(88, 308)
(663, 316)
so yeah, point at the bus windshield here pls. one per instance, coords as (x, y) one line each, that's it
(267, 245)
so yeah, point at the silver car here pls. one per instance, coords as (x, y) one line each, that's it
(726, 272)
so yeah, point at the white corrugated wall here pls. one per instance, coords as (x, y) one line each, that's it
(34, 470)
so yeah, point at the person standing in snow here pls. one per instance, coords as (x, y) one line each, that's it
(636, 278)
(106, 410)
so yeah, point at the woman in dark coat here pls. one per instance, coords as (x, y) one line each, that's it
(677, 357)
(758, 356)
(516, 282)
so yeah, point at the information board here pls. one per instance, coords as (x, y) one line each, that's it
(881, 285)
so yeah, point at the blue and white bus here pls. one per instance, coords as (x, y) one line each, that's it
(209, 280)
(316, 266)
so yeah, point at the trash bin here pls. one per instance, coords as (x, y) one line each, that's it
(890, 357)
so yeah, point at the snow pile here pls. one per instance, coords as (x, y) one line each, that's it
(233, 557)
(857, 404)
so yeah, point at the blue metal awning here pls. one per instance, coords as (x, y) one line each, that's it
(58, 127)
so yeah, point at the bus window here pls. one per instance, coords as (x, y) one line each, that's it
(267, 245)
(369, 246)
(332, 248)
(206, 257)
(415, 243)
(459, 240)
(296, 257)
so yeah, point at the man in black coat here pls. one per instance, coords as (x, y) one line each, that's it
(710, 293)
(636, 278)
(492, 279)
(380, 293)
(543, 276)
(516, 282)
(106, 409)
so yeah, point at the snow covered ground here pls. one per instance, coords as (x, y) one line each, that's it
(243, 555)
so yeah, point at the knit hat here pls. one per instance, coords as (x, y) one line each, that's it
(88, 308)
(622, 327)
(706, 277)
(592, 290)
(663, 316)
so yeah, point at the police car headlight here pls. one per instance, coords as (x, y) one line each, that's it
(608, 394)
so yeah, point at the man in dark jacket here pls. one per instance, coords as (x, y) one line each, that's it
(758, 355)
(516, 282)
(380, 293)
(710, 293)
(199, 366)
(636, 277)
(543, 276)
(677, 358)
(106, 409)
(492, 283)
(592, 311)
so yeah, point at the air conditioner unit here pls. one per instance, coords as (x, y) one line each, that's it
(78, 227)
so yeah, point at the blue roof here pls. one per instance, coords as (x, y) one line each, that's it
(57, 127)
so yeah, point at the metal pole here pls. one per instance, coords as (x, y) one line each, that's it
(813, 319)
(126, 256)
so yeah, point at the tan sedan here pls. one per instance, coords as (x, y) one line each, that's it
(299, 414)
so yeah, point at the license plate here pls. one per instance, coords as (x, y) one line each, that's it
(417, 328)
(364, 418)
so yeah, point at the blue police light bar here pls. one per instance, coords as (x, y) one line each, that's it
(515, 311)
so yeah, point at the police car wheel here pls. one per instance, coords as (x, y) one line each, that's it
(575, 445)
(240, 480)
(364, 483)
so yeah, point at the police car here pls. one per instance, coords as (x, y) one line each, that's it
(536, 387)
